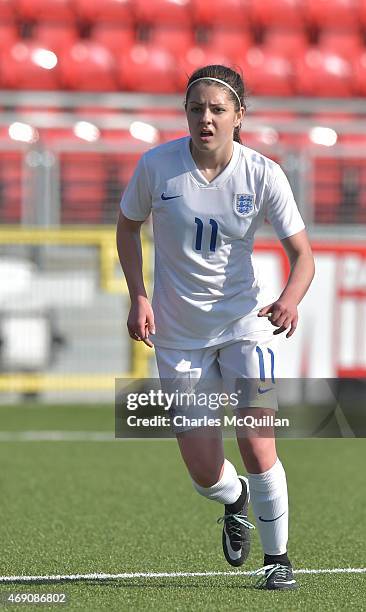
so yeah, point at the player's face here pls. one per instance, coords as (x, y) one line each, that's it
(211, 117)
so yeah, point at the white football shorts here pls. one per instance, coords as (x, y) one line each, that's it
(239, 374)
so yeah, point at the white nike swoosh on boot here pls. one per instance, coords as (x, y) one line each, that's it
(233, 554)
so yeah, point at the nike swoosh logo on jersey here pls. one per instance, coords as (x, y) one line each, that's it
(233, 554)
(165, 197)
(261, 391)
(271, 520)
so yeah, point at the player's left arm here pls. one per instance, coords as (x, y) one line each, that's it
(283, 313)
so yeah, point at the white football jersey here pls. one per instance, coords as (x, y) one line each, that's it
(206, 289)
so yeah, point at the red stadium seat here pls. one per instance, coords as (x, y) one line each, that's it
(83, 187)
(338, 13)
(8, 36)
(324, 73)
(347, 43)
(363, 13)
(80, 172)
(82, 205)
(289, 42)
(21, 68)
(87, 112)
(260, 138)
(327, 189)
(195, 58)
(360, 74)
(115, 37)
(56, 136)
(334, 120)
(82, 162)
(175, 39)
(275, 127)
(119, 136)
(87, 66)
(11, 186)
(213, 12)
(173, 135)
(269, 73)
(233, 42)
(147, 68)
(354, 139)
(284, 13)
(55, 36)
(102, 11)
(7, 9)
(163, 12)
(46, 10)
(126, 166)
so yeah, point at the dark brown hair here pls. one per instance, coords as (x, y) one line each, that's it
(231, 77)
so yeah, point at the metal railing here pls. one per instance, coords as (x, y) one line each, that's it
(37, 187)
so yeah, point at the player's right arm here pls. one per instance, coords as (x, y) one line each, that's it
(140, 320)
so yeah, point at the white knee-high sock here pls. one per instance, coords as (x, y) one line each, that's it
(227, 490)
(268, 494)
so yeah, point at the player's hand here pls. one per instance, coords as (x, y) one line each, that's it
(281, 315)
(140, 321)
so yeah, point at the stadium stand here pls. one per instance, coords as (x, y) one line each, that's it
(108, 11)
(114, 37)
(343, 13)
(327, 181)
(88, 66)
(27, 66)
(284, 13)
(195, 57)
(286, 48)
(10, 186)
(175, 39)
(324, 73)
(162, 12)
(360, 74)
(39, 10)
(290, 42)
(160, 77)
(55, 36)
(234, 42)
(8, 35)
(83, 187)
(87, 86)
(346, 42)
(7, 9)
(269, 72)
(209, 12)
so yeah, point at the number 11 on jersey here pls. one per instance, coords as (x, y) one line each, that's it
(199, 233)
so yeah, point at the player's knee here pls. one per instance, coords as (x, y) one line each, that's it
(205, 475)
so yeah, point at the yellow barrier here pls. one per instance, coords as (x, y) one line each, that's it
(102, 237)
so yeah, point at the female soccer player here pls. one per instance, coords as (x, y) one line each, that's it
(210, 319)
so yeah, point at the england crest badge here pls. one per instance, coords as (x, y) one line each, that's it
(244, 204)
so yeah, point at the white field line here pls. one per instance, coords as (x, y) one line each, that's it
(75, 577)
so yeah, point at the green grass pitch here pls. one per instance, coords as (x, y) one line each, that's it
(128, 506)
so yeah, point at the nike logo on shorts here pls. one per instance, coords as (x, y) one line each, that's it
(165, 197)
(261, 391)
